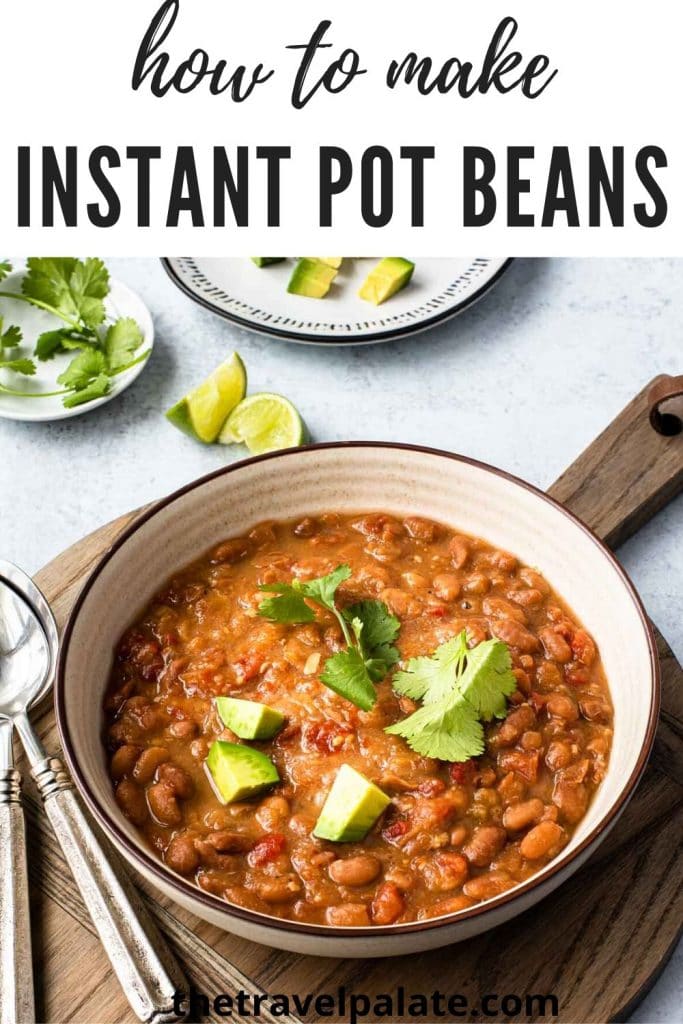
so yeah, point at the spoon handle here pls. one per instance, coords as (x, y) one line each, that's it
(16, 968)
(145, 967)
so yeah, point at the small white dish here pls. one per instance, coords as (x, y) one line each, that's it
(257, 297)
(121, 302)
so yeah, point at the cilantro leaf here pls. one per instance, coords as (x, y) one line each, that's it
(323, 590)
(11, 337)
(460, 689)
(25, 366)
(49, 343)
(98, 388)
(74, 288)
(375, 629)
(289, 606)
(430, 679)
(121, 341)
(5, 269)
(83, 369)
(444, 730)
(346, 674)
(369, 652)
(488, 680)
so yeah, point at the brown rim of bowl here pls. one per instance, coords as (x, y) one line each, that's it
(156, 867)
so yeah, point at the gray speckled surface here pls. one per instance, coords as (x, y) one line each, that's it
(524, 380)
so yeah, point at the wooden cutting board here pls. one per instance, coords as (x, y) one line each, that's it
(597, 944)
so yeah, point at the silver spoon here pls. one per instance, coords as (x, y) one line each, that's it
(143, 964)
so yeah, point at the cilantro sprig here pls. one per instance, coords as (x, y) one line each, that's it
(74, 291)
(459, 689)
(368, 627)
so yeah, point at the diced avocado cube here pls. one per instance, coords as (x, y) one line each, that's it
(389, 276)
(312, 278)
(266, 261)
(238, 772)
(248, 719)
(352, 807)
(331, 261)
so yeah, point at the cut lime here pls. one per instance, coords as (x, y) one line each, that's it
(265, 423)
(202, 412)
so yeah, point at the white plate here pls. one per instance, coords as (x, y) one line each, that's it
(120, 302)
(257, 298)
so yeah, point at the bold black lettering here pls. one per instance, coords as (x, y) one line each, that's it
(516, 186)
(143, 155)
(417, 156)
(603, 185)
(386, 186)
(185, 178)
(474, 183)
(24, 187)
(100, 155)
(273, 155)
(63, 188)
(237, 186)
(645, 156)
(331, 156)
(560, 194)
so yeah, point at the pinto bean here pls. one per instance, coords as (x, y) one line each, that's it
(486, 886)
(558, 755)
(595, 709)
(555, 646)
(444, 871)
(163, 804)
(177, 780)
(523, 762)
(148, 762)
(535, 580)
(516, 723)
(272, 812)
(544, 840)
(446, 586)
(477, 583)
(388, 904)
(459, 552)
(497, 608)
(131, 800)
(123, 760)
(422, 529)
(401, 877)
(355, 871)
(224, 841)
(514, 633)
(520, 816)
(571, 799)
(348, 915)
(485, 842)
(527, 597)
(278, 890)
(231, 551)
(400, 603)
(181, 855)
(451, 905)
(186, 729)
(561, 705)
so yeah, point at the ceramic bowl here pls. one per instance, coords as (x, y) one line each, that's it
(466, 495)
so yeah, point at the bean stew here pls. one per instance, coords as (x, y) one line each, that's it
(453, 834)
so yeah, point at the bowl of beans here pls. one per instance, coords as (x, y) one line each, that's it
(357, 699)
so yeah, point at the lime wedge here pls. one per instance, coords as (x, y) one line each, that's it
(202, 412)
(265, 423)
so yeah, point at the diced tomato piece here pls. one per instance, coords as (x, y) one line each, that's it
(247, 667)
(464, 772)
(395, 830)
(267, 849)
(431, 787)
(326, 737)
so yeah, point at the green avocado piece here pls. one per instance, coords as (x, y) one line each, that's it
(266, 261)
(389, 276)
(352, 807)
(238, 772)
(312, 278)
(248, 719)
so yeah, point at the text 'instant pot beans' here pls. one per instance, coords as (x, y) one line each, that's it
(453, 834)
